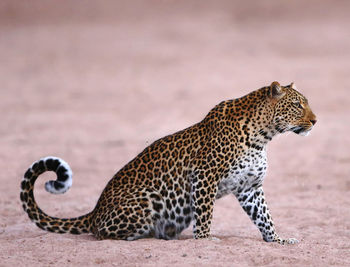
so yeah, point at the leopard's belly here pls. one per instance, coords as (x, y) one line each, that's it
(247, 171)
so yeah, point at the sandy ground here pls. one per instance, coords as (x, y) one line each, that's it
(94, 82)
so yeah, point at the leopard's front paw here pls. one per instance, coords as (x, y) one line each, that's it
(213, 238)
(207, 237)
(292, 241)
(288, 241)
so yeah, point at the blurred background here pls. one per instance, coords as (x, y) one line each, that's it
(94, 82)
(155, 66)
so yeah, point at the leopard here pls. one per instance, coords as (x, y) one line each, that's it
(176, 180)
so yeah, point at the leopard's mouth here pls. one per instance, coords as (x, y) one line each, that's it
(300, 130)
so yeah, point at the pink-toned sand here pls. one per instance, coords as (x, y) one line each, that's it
(94, 82)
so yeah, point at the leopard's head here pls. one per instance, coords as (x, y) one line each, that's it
(291, 110)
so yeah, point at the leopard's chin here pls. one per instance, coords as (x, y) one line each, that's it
(301, 130)
(304, 133)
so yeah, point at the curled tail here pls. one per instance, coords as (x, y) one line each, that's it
(63, 182)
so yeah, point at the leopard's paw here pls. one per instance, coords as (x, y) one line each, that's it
(288, 241)
(211, 238)
(291, 241)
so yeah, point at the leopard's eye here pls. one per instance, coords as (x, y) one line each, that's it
(297, 105)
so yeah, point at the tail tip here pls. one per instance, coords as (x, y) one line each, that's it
(64, 175)
(57, 187)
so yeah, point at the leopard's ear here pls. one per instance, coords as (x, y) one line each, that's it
(292, 85)
(276, 90)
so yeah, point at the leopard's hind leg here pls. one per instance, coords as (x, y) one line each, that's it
(130, 214)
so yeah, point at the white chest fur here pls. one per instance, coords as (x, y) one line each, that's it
(247, 171)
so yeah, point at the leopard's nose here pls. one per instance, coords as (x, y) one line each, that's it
(313, 121)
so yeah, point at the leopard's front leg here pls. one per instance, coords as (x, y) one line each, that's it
(253, 202)
(203, 192)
